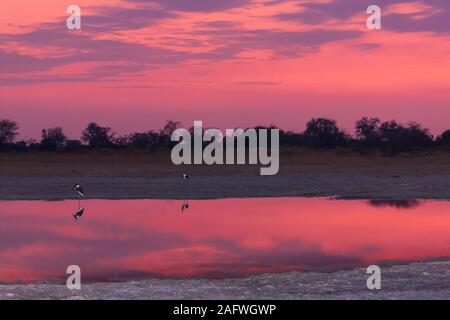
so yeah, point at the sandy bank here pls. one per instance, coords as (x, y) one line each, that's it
(426, 280)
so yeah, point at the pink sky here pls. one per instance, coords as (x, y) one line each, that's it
(230, 63)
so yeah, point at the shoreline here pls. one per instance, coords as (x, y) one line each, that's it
(430, 281)
(338, 184)
(136, 179)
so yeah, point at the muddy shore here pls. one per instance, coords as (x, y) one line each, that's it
(348, 185)
(425, 280)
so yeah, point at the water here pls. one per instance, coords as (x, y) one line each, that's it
(123, 239)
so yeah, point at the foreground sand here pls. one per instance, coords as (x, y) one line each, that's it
(426, 280)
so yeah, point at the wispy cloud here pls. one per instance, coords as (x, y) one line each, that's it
(429, 16)
(195, 5)
(111, 39)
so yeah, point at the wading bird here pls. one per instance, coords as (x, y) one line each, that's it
(77, 215)
(185, 178)
(79, 190)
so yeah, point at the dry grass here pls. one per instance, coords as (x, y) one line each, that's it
(292, 160)
(336, 160)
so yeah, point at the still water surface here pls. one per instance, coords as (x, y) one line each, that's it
(120, 239)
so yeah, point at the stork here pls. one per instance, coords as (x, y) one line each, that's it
(79, 190)
(185, 178)
(77, 215)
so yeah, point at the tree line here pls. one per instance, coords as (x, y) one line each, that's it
(371, 135)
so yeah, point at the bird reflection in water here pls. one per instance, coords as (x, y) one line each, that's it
(185, 205)
(185, 178)
(79, 190)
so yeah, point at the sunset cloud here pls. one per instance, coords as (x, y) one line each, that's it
(313, 57)
(194, 5)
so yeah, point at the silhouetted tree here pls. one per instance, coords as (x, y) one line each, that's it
(53, 138)
(367, 129)
(166, 133)
(416, 137)
(324, 133)
(396, 138)
(389, 133)
(32, 144)
(269, 133)
(19, 146)
(170, 127)
(120, 142)
(368, 134)
(444, 139)
(8, 131)
(73, 145)
(147, 140)
(97, 136)
(291, 139)
(390, 137)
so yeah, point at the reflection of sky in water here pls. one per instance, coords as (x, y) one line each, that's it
(215, 238)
